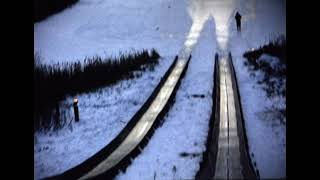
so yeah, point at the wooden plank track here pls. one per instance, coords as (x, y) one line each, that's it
(227, 154)
(228, 158)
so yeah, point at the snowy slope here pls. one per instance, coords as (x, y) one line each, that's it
(185, 127)
(106, 28)
(266, 137)
(103, 114)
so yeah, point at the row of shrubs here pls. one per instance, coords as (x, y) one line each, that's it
(45, 8)
(54, 82)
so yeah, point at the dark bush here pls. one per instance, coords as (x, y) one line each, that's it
(45, 8)
(53, 82)
(276, 47)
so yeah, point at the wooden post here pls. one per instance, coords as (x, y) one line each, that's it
(75, 109)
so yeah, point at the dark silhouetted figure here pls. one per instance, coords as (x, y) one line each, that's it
(238, 20)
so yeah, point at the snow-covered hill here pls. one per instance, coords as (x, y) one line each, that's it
(109, 27)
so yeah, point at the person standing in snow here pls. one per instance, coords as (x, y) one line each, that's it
(238, 20)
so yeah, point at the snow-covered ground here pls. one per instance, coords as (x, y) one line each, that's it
(186, 125)
(263, 20)
(103, 114)
(104, 28)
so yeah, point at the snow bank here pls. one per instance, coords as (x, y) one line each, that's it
(266, 136)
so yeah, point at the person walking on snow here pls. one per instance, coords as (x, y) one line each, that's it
(238, 20)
